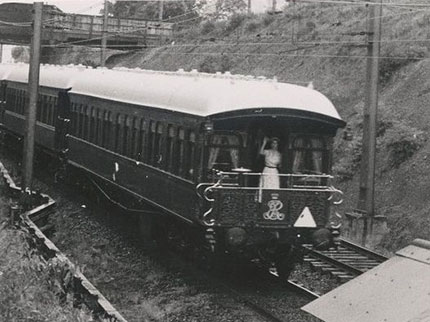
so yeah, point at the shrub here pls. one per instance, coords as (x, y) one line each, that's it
(235, 21)
(401, 142)
(207, 27)
(252, 26)
(268, 19)
(208, 65)
(213, 64)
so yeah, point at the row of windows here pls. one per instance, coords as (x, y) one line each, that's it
(161, 145)
(17, 101)
(164, 146)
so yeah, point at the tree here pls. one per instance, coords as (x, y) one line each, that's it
(226, 8)
(149, 10)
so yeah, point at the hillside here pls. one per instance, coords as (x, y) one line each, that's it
(324, 43)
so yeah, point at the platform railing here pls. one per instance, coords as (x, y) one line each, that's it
(229, 181)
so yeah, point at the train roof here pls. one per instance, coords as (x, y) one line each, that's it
(192, 92)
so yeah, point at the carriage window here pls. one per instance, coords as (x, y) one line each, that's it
(140, 144)
(92, 129)
(133, 135)
(151, 138)
(308, 155)
(178, 164)
(49, 111)
(170, 148)
(223, 152)
(118, 133)
(158, 146)
(20, 101)
(99, 127)
(9, 99)
(125, 133)
(189, 163)
(107, 126)
(84, 124)
(52, 108)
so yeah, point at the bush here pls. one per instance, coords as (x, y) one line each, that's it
(402, 141)
(213, 64)
(252, 26)
(30, 287)
(207, 27)
(268, 19)
(234, 22)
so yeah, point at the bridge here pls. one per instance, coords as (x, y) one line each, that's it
(64, 28)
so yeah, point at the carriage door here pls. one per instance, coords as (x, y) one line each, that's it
(62, 123)
(3, 86)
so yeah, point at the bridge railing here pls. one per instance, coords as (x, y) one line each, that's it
(94, 25)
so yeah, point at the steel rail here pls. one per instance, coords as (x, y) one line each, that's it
(351, 259)
(298, 287)
(362, 250)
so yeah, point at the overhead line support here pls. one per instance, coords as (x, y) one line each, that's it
(366, 202)
(33, 91)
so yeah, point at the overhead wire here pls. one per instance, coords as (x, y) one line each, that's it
(61, 45)
(366, 3)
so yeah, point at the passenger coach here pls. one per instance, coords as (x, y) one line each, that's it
(188, 144)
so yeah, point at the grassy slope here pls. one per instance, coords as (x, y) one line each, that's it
(29, 285)
(241, 46)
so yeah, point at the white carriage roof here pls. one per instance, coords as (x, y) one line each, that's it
(188, 92)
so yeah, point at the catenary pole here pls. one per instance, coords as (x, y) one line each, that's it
(160, 10)
(33, 89)
(104, 34)
(366, 201)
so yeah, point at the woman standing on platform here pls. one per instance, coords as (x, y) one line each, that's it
(272, 160)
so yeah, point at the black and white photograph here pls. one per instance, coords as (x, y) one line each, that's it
(215, 161)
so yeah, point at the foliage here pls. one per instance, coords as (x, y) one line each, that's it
(252, 26)
(30, 286)
(268, 19)
(395, 58)
(227, 8)
(213, 64)
(183, 10)
(235, 21)
(401, 142)
(207, 27)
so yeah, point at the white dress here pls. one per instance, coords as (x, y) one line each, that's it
(270, 177)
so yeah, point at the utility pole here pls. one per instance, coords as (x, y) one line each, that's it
(160, 9)
(366, 201)
(33, 89)
(249, 7)
(104, 34)
(1, 53)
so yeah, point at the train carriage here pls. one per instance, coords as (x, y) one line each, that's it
(188, 144)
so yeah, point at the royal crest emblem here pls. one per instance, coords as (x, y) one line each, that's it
(274, 205)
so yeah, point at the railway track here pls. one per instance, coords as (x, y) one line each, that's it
(344, 263)
(263, 309)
